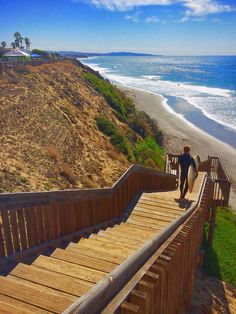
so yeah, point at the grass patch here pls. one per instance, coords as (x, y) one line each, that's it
(147, 150)
(125, 111)
(142, 140)
(120, 141)
(220, 259)
(113, 96)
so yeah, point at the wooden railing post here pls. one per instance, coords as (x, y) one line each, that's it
(212, 225)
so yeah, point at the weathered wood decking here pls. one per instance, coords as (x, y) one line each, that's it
(52, 283)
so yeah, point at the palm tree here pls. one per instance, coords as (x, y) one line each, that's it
(21, 41)
(27, 43)
(13, 44)
(17, 36)
(3, 44)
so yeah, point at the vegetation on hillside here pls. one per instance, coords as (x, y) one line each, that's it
(143, 142)
(220, 259)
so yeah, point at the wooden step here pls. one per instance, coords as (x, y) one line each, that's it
(51, 279)
(14, 306)
(51, 302)
(62, 267)
(83, 260)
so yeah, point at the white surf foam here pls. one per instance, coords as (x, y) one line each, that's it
(215, 103)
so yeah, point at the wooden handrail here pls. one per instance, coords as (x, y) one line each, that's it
(95, 300)
(28, 220)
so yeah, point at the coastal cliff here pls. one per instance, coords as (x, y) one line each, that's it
(54, 130)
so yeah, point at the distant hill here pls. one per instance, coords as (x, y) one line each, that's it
(77, 54)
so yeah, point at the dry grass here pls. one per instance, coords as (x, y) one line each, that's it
(23, 69)
(68, 174)
(89, 183)
(150, 163)
(101, 145)
(52, 152)
(114, 154)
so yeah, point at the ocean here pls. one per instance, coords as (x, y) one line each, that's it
(201, 89)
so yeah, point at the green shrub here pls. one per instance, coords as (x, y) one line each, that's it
(106, 126)
(125, 111)
(142, 124)
(112, 95)
(148, 149)
(117, 139)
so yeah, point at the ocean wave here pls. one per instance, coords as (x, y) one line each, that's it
(214, 103)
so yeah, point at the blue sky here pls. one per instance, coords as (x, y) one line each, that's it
(174, 27)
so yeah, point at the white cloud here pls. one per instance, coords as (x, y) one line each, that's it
(124, 5)
(133, 17)
(152, 19)
(204, 7)
(193, 7)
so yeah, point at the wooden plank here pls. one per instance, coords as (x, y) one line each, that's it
(41, 288)
(77, 271)
(120, 243)
(83, 260)
(145, 231)
(111, 234)
(11, 309)
(96, 253)
(140, 299)
(156, 222)
(104, 248)
(146, 222)
(132, 233)
(124, 235)
(31, 226)
(20, 306)
(154, 204)
(14, 230)
(2, 248)
(39, 223)
(154, 215)
(34, 296)
(51, 279)
(22, 230)
(107, 246)
(155, 211)
(7, 232)
(129, 308)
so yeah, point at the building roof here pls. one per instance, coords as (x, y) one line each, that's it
(16, 53)
(35, 55)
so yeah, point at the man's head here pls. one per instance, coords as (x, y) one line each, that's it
(186, 149)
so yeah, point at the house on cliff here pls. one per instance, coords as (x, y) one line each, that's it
(16, 55)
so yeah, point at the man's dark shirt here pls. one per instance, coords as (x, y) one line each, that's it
(185, 161)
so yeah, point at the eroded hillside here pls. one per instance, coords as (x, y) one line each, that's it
(48, 132)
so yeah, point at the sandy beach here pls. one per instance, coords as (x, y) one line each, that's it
(178, 132)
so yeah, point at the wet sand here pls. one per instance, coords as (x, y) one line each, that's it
(178, 132)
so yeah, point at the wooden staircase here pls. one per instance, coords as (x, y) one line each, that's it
(70, 278)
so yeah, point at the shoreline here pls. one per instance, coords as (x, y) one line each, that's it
(178, 132)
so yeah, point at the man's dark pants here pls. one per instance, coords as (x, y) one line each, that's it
(183, 185)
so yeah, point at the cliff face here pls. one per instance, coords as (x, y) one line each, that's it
(48, 134)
